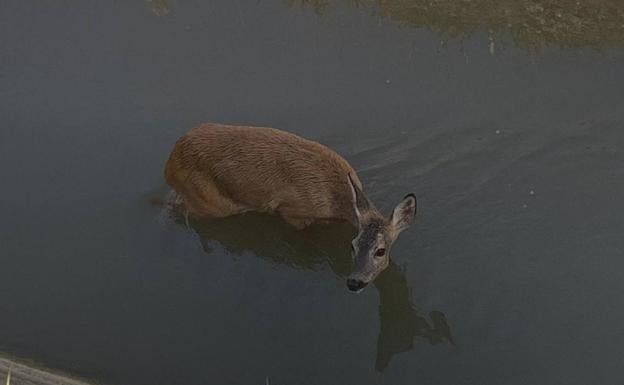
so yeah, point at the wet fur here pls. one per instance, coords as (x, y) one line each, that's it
(219, 170)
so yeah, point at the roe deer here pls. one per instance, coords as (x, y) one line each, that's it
(218, 170)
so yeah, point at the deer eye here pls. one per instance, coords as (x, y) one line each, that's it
(380, 252)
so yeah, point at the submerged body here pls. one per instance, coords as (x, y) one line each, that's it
(221, 170)
(218, 170)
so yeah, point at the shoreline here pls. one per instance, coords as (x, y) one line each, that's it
(29, 374)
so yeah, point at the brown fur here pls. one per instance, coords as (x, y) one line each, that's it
(220, 170)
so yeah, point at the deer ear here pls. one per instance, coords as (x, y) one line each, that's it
(361, 205)
(404, 213)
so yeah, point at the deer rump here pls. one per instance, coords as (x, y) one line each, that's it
(220, 170)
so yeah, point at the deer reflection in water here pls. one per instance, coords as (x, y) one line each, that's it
(272, 239)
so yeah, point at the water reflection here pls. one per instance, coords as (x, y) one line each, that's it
(531, 24)
(270, 238)
(159, 7)
(401, 323)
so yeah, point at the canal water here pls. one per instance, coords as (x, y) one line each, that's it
(507, 124)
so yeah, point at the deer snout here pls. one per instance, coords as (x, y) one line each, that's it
(356, 285)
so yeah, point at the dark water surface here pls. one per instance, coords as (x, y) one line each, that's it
(511, 275)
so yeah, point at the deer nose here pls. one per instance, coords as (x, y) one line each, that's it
(355, 285)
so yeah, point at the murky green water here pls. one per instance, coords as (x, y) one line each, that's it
(513, 145)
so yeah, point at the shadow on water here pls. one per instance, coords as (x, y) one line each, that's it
(272, 239)
(531, 24)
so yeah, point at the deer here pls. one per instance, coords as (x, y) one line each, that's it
(218, 170)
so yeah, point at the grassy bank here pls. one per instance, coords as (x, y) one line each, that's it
(28, 373)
